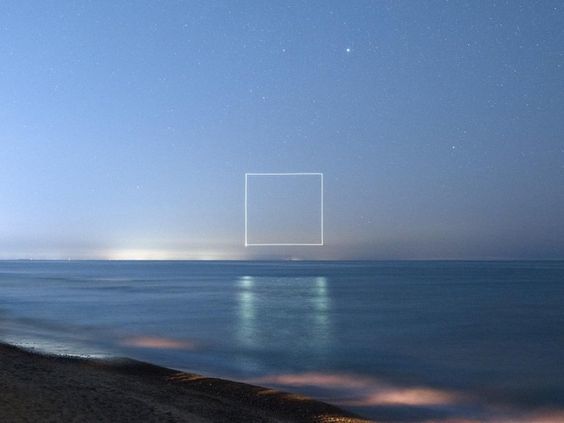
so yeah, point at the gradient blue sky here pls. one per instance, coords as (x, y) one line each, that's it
(126, 127)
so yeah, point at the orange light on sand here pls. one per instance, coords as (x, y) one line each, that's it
(372, 392)
(158, 343)
(367, 391)
(407, 396)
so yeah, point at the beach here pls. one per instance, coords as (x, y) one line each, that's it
(37, 387)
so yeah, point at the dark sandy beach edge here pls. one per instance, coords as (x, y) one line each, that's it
(38, 387)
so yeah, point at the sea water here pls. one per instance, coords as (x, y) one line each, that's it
(398, 341)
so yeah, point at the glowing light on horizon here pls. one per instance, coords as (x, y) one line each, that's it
(167, 254)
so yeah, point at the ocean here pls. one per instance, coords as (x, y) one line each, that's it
(393, 341)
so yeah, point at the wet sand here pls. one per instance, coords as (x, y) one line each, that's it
(37, 387)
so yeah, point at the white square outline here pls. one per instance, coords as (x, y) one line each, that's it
(247, 244)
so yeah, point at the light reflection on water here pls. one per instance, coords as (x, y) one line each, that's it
(321, 302)
(246, 327)
(264, 304)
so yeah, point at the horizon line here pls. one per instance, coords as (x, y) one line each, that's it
(289, 260)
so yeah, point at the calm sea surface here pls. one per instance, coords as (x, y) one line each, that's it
(398, 341)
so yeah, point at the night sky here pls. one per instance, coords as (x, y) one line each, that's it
(126, 128)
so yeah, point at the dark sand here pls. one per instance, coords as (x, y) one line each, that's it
(40, 388)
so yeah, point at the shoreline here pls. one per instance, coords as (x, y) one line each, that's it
(41, 387)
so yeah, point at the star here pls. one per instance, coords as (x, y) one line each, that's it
(348, 49)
